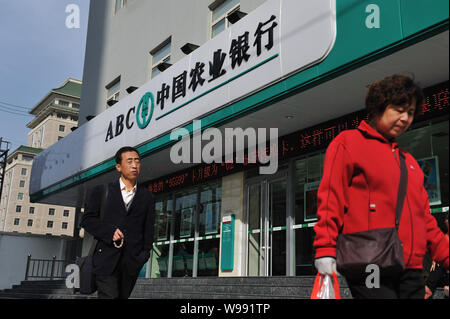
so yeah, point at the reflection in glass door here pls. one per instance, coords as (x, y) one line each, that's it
(255, 252)
(266, 213)
(277, 228)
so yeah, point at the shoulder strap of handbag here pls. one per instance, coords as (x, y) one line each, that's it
(401, 188)
(102, 213)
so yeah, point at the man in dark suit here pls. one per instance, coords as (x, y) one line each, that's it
(125, 234)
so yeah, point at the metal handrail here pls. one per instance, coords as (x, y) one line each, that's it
(51, 269)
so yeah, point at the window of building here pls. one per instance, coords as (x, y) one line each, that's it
(308, 173)
(119, 4)
(113, 91)
(16, 221)
(50, 224)
(429, 146)
(31, 210)
(62, 128)
(75, 105)
(22, 183)
(66, 213)
(64, 225)
(24, 171)
(27, 158)
(192, 219)
(30, 223)
(20, 196)
(51, 211)
(219, 12)
(160, 54)
(63, 103)
(18, 208)
(62, 116)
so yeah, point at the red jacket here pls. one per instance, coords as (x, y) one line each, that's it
(359, 190)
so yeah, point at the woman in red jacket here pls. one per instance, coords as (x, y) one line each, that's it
(359, 187)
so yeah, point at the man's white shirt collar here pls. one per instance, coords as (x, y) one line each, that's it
(127, 195)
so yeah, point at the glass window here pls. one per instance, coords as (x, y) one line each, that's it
(429, 146)
(20, 196)
(66, 213)
(163, 215)
(16, 221)
(49, 224)
(31, 210)
(24, 171)
(160, 55)
(64, 225)
(51, 211)
(189, 231)
(208, 257)
(113, 91)
(18, 208)
(308, 173)
(185, 206)
(75, 105)
(208, 227)
(30, 223)
(183, 251)
(119, 4)
(219, 21)
(161, 248)
(62, 128)
(210, 201)
(63, 103)
(183, 257)
(218, 27)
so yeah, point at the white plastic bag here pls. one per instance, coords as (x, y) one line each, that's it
(326, 287)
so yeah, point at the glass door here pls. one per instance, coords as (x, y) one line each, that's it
(255, 215)
(266, 219)
(276, 225)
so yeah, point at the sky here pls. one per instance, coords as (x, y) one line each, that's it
(38, 52)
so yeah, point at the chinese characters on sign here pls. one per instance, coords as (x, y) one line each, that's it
(238, 53)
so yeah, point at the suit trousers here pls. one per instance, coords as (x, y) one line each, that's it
(409, 285)
(118, 285)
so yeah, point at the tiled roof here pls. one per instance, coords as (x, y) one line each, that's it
(70, 88)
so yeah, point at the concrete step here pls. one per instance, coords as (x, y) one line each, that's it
(39, 290)
(190, 288)
(185, 288)
(16, 295)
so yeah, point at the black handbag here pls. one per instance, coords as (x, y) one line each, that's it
(85, 264)
(381, 247)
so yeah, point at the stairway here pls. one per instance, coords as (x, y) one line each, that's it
(184, 288)
(229, 287)
(189, 288)
(41, 289)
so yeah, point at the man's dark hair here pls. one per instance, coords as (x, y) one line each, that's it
(396, 89)
(118, 156)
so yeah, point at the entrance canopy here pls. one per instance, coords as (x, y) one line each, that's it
(289, 65)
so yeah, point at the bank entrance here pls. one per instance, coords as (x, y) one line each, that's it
(266, 220)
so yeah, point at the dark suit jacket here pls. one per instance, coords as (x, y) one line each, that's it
(137, 226)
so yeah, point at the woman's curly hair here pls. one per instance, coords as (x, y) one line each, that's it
(396, 89)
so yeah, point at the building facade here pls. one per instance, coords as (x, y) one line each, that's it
(298, 66)
(55, 117)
